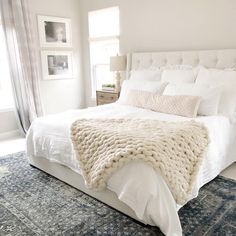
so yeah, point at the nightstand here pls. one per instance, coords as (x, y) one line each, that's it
(106, 97)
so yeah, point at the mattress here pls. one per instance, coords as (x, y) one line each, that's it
(147, 194)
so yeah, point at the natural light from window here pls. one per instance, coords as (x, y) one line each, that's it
(6, 96)
(104, 31)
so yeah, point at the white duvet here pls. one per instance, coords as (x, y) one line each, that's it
(136, 184)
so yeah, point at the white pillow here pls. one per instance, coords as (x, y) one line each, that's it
(178, 67)
(145, 75)
(227, 80)
(178, 76)
(210, 96)
(148, 86)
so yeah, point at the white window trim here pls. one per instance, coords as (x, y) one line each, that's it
(107, 38)
(93, 67)
(4, 110)
(94, 81)
(92, 39)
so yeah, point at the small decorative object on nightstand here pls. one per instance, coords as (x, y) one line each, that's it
(106, 97)
(108, 87)
(117, 64)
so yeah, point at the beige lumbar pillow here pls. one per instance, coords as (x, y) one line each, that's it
(176, 105)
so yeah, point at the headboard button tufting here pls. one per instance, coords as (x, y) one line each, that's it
(209, 58)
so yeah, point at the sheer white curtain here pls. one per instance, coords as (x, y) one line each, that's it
(23, 59)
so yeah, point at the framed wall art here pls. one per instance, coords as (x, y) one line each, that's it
(57, 65)
(54, 31)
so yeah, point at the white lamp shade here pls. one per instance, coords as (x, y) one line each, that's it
(118, 63)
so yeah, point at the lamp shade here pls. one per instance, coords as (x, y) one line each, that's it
(118, 63)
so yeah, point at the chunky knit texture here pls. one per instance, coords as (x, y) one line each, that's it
(175, 149)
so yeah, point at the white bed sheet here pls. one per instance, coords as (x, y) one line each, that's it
(147, 194)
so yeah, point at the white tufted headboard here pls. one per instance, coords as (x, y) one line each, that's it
(220, 59)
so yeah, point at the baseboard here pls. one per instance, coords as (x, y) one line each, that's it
(10, 134)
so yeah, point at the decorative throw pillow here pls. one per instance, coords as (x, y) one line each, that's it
(178, 76)
(153, 75)
(175, 105)
(210, 96)
(226, 79)
(150, 86)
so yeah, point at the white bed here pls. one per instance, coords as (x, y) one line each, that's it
(145, 197)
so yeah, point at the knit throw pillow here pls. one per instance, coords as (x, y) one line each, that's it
(176, 105)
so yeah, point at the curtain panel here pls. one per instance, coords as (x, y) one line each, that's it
(23, 60)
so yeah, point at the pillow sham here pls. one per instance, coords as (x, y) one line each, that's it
(175, 105)
(150, 86)
(154, 75)
(179, 67)
(226, 79)
(210, 96)
(178, 76)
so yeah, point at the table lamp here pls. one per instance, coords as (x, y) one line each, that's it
(117, 64)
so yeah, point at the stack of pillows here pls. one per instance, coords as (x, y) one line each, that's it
(183, 91)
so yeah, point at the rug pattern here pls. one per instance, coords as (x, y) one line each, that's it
(35, 203)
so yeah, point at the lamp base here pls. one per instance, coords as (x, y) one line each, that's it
(117, 80)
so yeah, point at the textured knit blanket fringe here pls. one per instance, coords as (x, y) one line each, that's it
(175, 149)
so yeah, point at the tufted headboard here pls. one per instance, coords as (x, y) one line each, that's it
(220, 59)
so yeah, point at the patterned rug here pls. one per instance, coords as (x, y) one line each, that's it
(34, 203)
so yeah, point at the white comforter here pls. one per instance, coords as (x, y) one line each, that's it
(147, 193)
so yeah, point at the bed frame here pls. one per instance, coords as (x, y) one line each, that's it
(74, 179)
(220, 59)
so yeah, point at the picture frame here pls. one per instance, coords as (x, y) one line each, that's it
(54, 31)
(57, 65)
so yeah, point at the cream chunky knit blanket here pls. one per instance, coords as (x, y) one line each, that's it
(176, 149)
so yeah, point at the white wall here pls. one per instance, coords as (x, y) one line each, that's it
(146, 25)
(61, 95)
(166, 25)
(8, 122)
(58, 95)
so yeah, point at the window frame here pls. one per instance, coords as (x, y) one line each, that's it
(115, 37)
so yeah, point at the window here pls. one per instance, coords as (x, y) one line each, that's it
(104, 31)
(6, 96)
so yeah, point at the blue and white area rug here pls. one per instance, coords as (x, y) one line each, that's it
(34, 203)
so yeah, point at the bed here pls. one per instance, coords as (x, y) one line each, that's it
(145, 198)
